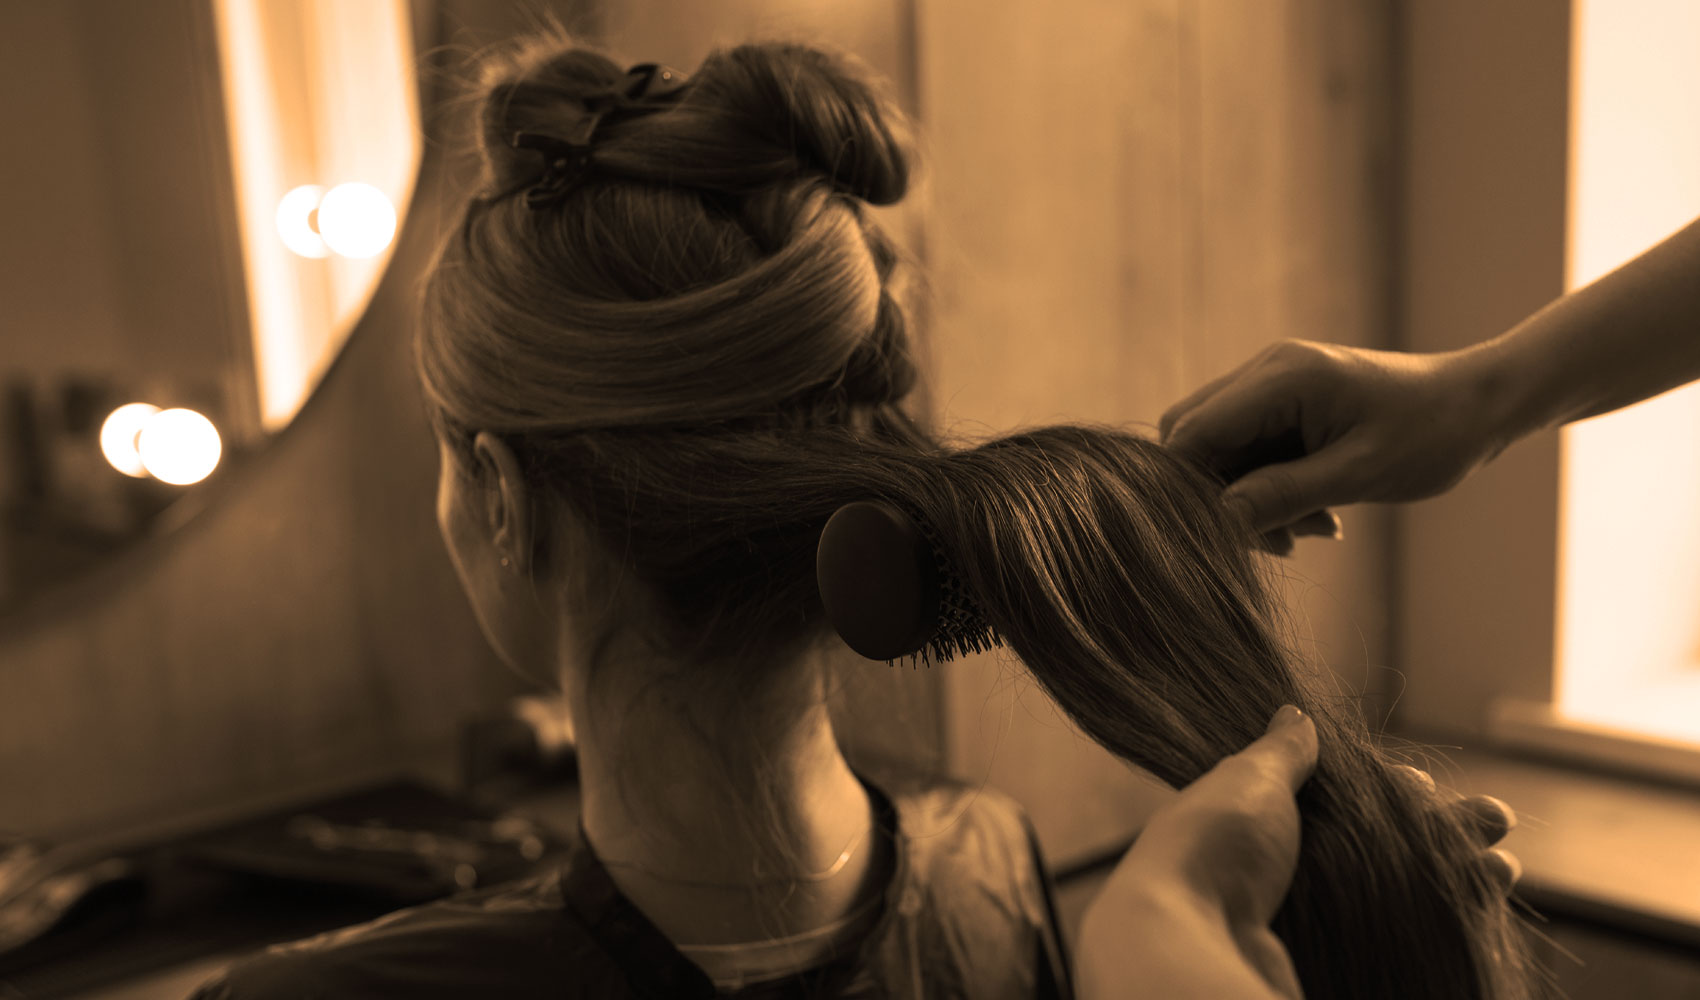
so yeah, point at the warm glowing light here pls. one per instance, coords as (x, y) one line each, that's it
(356, 220)
(296, 224)
(1629, 581)
(118, 437)
(179, 446)
(315, 91)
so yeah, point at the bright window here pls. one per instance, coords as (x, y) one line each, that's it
(1628, 642)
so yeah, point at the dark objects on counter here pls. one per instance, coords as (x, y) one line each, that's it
(292, 873)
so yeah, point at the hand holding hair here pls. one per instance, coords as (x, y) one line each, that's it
(1186, 912)
(1306, 426)
(1488, 818)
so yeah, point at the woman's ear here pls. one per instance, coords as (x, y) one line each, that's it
(506, 501)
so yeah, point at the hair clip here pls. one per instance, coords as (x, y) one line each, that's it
(888, 590)
(653, 82)
(649, 87)
(565, 164)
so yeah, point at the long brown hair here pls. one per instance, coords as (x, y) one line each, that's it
(699, 355)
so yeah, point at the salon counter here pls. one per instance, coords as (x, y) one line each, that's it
(196, 923)
(1610, 850)
(1611, 873)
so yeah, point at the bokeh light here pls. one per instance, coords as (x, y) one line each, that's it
(296, 222)
(356, 220)
(118, 437)
(179, 446)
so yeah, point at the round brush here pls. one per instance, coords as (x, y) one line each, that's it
(889, 590)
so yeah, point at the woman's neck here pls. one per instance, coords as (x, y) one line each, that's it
(713, 830)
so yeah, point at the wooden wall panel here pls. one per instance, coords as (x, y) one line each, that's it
(1129, 198)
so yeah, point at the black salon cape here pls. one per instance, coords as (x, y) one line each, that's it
(968, 914)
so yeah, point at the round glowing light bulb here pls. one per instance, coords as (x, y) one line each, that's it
(296, 224)
(356, 220)
(179, 446)
(118, 437)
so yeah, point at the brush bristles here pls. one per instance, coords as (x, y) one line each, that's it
(962, 627)
(943, 648)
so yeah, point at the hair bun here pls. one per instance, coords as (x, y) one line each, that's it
(818, 110)
(750, 119)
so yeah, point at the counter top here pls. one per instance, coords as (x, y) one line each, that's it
(1610, 850)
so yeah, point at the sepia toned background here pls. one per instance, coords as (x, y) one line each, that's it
(1119, 200)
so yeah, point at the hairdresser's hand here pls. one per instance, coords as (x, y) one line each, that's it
(1186, 912)
(1305, 426)
(1488, 818)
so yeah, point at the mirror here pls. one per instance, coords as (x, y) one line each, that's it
(202, 197)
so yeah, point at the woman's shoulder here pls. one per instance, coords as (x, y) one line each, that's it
(947, 817)
(928, 795)
(976, 893)
(514, 932)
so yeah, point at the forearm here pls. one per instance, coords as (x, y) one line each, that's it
(1630, 335)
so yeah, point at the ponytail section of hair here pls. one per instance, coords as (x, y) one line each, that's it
(1108, 564)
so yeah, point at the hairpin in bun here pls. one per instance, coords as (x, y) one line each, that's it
(889, 591)
(647, 88)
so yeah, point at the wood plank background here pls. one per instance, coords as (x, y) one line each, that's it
(1127, 199)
